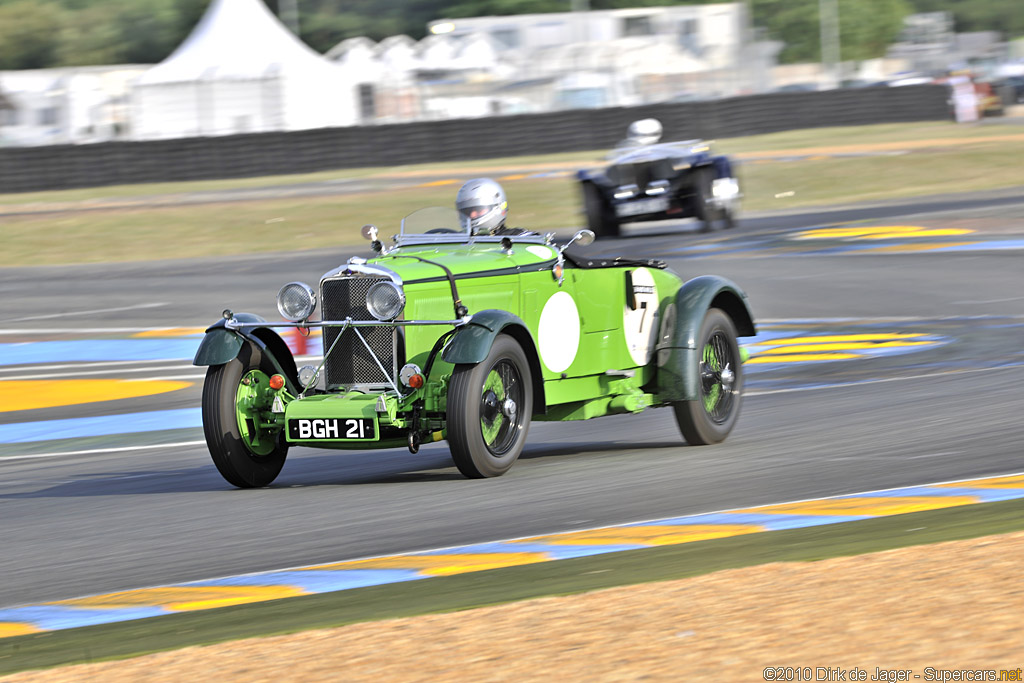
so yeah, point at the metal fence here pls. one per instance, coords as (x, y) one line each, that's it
(56, 167)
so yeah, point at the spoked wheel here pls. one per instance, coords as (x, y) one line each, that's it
(600, 217)
(489, 408)
(711, 417)
(236, 403)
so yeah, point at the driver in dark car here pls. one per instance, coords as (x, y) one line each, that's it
(481, 202)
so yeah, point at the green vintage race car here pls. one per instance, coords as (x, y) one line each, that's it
(450, 335)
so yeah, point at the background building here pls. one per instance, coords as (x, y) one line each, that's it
(66, 105)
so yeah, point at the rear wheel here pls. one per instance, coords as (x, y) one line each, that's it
(489, 408)
(600, 216)
(711, 417)
(236, 406)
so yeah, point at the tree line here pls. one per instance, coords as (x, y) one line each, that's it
(47, 33)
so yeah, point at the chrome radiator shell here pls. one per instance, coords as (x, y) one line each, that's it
(348, 361)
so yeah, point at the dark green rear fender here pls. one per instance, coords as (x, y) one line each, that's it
(473, 341)
(221, 345)
(677, 353)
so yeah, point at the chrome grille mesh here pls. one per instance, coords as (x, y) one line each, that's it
(350, 362)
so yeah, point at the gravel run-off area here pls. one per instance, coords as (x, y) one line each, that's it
(952, 606)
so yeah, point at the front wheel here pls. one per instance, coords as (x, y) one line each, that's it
(711, 417)
(489, 408)
(728, 218)
(236, 403)
(703, 209)
(601, 218)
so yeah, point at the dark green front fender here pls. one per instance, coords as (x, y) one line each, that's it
(221, 345)
(472, 342)
(677, 353)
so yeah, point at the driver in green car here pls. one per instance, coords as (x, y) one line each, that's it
(481, 202)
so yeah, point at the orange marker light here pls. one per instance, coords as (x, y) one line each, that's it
(416, 381)
(276, 382)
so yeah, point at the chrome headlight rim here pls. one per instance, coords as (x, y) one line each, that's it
(383, 310)
(286, 307)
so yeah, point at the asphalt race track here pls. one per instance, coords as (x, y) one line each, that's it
(917, 309)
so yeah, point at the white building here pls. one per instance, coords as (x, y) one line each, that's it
(626, 56)
(714, 31)
(241, 71)
(66, 105)
(482, 66)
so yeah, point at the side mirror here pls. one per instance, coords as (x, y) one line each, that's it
(369, 232)
(582, 238)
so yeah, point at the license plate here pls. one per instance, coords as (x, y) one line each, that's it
(641, 206)
(333, 428)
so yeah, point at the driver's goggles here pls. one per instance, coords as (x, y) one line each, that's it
(474, 211)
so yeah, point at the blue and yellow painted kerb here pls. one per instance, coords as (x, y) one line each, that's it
(33, 394)
(878, 232)
(339, 576)
(777, 347)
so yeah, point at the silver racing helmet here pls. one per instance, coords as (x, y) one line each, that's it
(481, 203)
(644, 132)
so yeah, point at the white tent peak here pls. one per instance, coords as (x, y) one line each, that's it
(241, 71)
(236, 39)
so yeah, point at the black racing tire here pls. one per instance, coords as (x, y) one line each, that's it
(728, 219)
(485, 434)
(710, 418)
(703, 211)
(600, 218)
(235, 460)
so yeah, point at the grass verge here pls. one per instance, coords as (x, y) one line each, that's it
(466, 591)
(940, 158)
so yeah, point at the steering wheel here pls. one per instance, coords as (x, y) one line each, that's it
(436, 231)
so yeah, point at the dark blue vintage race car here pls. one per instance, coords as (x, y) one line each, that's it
(647, 181)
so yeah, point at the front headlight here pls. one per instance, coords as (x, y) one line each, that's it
(385, 300)
(296, 301)
(725, 188)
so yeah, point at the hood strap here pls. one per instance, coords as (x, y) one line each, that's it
(460, 310)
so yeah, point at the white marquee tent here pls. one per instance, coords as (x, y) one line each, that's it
(241, 71)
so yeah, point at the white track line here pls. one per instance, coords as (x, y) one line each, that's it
(94, 451)
(73, 313)
(98, 330)
(880, 380)
(95, 364)
(34, 374)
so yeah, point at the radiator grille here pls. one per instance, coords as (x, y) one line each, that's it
(350, 363)
(641, 173)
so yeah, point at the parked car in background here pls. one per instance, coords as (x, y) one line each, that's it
(1015, 86)
(648, 181)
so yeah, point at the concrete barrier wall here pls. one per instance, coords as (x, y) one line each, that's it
(24, 169)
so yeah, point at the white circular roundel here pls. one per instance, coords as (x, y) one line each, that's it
(640, 317)
(558, 334)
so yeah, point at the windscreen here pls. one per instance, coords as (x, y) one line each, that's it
(436, 220)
